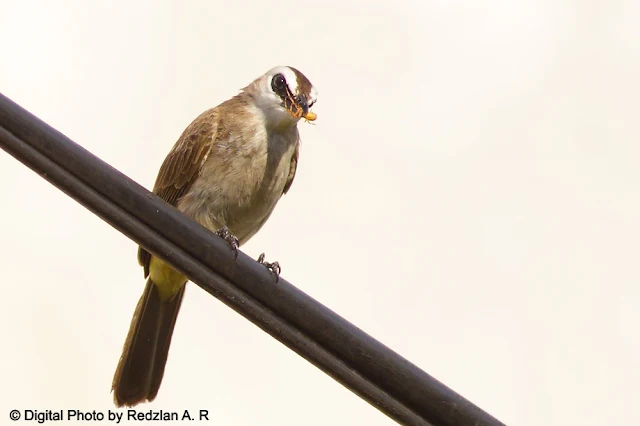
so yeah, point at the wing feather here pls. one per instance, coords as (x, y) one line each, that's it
(182, 165)
(292, 168)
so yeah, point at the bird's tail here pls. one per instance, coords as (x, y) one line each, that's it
(141, 366)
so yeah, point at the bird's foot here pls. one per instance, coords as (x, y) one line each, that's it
(273, 267)
(230, 238)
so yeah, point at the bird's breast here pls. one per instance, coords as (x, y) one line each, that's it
(241, 181)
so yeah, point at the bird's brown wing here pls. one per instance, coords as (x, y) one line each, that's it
(182, 166)
(292, 168)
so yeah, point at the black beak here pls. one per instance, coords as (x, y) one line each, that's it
(298, 106)
(301, 100)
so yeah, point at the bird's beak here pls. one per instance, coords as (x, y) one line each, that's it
(304, 107)
(298, 107)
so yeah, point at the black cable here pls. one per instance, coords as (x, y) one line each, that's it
(367, 367)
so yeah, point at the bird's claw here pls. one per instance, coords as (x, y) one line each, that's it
(230, 238)
(273, 267)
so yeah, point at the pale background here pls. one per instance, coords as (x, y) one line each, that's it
(472, 180)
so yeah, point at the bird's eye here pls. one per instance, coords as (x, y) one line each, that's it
(278, 83)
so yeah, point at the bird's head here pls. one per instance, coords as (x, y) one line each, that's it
(285, 95)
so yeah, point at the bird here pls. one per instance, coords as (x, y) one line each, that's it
(227, 171)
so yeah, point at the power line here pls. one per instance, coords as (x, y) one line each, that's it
(374, 372)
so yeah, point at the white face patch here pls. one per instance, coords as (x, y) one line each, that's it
(289, 76)
(313, 95)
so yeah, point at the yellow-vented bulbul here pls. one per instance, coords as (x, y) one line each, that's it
(227, 171)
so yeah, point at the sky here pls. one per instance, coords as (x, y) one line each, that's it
(468, 196)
